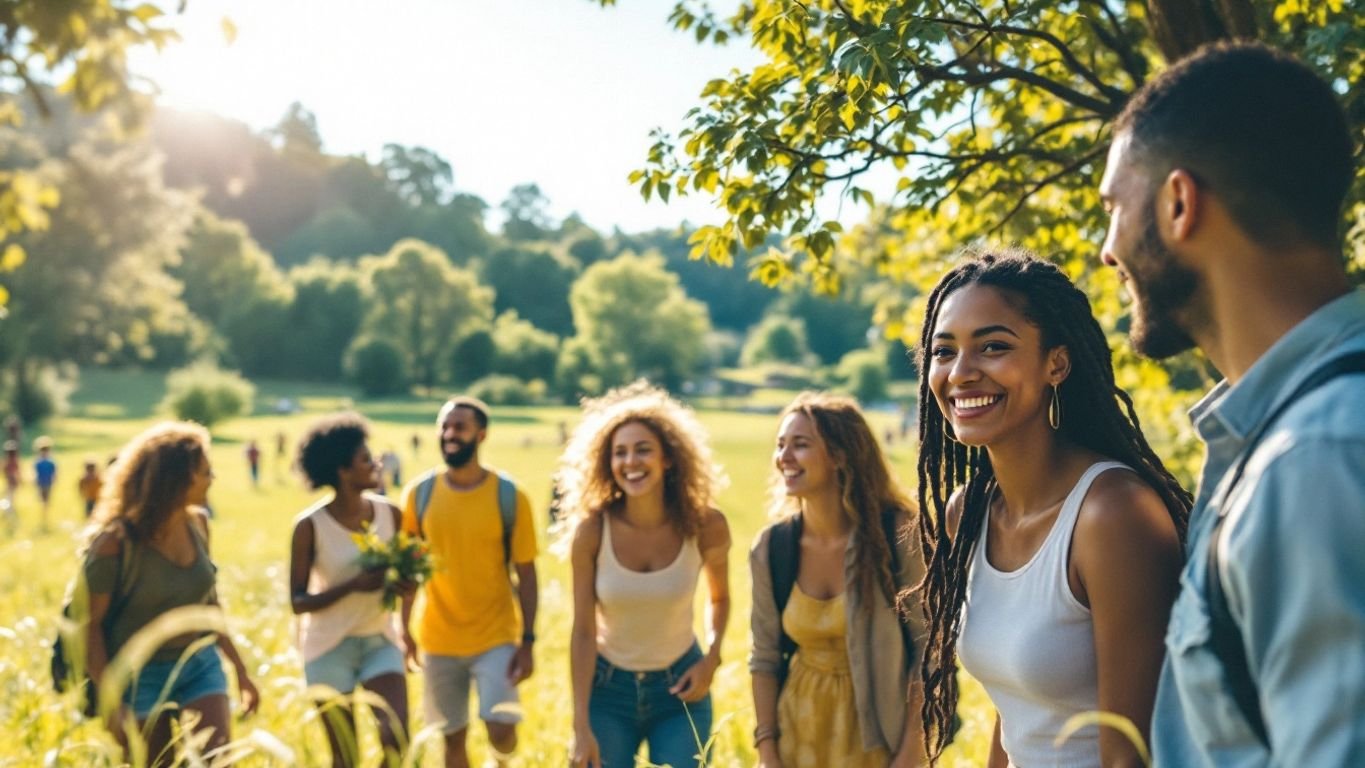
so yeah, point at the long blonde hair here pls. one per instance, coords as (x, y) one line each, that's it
(585, 481)
(867, 489)
(151, 477)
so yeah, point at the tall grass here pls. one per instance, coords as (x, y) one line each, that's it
(251, 532)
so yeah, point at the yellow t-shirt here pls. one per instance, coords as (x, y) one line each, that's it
(470, 606)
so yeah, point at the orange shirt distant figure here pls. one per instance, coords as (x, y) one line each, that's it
(90, 485)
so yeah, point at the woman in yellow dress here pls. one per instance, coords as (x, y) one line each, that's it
(831, 656)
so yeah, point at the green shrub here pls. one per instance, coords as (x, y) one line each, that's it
(377, 366)
(865, 375)
(500, 389)
(205, 394)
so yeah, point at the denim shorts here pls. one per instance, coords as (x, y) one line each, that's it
(629, 708)
(353, 661)
(448, 679)
(200, 676)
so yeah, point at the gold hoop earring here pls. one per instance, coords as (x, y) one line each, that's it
(1054, 410)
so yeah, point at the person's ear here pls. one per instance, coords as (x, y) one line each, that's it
(1058, 364)
(1179, 205)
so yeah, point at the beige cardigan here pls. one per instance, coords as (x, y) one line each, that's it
(876, 654)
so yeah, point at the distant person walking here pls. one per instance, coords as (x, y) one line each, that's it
(153, 505)
(640, 485)
(478, 525)
(1225, 184)
(89, 486)
(44, 475)
(831, 658)
(393, 466)
(253, 462)
(13, 476)
(347, 637)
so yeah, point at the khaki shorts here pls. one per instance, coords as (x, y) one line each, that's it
(448, 679)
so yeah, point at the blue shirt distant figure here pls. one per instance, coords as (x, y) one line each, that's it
(44, 475)
(1228, 240)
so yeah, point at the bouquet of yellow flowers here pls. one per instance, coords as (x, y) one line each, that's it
(405, 560)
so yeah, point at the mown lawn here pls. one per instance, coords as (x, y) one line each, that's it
(251, 535)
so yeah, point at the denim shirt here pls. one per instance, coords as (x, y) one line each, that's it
(1293, 564)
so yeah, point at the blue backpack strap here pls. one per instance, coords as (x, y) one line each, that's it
(426, 484)
(507, 510)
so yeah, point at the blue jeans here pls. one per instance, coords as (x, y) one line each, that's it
(201, 675)
(627, 708)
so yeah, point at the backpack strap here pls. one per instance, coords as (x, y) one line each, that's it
(507, 506)
(426, 484)
(784, 560)
(507, 510)
(1225, 637)
(892, 537)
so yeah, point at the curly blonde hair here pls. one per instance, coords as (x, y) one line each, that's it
(585, 481)
(151, 476)
(867, 488)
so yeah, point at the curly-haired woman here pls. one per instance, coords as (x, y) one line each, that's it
(638, 488)
(153, 503)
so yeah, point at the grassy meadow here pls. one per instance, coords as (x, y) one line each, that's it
(251, 535)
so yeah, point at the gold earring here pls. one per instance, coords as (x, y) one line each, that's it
(1054, 410)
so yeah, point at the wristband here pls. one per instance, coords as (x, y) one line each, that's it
(528, 638)
(764, 733)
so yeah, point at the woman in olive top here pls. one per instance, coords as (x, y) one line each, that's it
(153, 503)
(831, 666)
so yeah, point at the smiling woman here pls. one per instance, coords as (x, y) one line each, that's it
(1070, 565)
(639, 486)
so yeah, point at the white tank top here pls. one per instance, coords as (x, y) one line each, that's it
(1031, 644)
(335, 553)
(644, 620)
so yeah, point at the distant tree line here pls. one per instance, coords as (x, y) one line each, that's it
(261, 252)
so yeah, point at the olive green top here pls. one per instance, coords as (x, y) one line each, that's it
(157, 585)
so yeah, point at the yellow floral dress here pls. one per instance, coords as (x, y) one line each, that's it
(816, 710)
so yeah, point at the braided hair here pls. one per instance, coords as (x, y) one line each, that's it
(1100, 418)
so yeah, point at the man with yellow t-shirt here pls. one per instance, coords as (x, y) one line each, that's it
(469, 630)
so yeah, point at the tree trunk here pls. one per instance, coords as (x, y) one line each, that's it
(1181, 26)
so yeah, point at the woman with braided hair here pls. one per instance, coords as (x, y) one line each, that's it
(1052, 531)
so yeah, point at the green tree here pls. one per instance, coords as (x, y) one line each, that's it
(864, 374)
(420, 176)
(523, 350)
(377, 366)
(222, 269)
(527, 215)
(83, 45)
(473, 357)
(423, 303)
(994, 116)
(634, 319)
(533, 281)
(325, 316)
(776, 339)
(96, 289)
(202, 393)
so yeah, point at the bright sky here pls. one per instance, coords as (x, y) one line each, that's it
(562, 93)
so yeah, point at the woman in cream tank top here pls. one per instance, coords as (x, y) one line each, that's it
(1059, 553)
(638, 487)
(347, 637)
